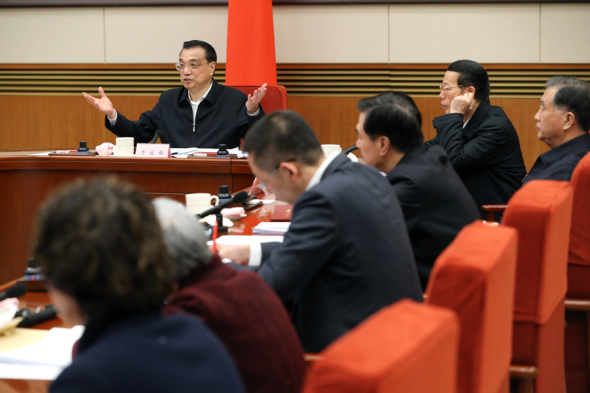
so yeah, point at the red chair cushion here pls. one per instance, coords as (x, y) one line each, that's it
(407, 347)
(475, 276)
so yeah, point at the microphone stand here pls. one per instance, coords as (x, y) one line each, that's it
(220, 226)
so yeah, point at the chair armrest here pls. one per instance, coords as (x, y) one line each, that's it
(577, 304)
(491, 209)
(311, 358)
(519, 371)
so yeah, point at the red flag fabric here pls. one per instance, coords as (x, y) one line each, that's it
(251, 56)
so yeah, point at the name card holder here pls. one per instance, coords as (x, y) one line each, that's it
(153, 150)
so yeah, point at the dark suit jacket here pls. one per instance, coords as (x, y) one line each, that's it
(559, 163)
(221, 118)
(150, 354)
(250, 320)
(486, 154)
(346, 255)
(435, 203)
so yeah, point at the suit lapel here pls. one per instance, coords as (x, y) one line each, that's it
(473, 125)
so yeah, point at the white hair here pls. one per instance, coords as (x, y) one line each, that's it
(183, 234)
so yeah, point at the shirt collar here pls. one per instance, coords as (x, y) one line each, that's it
(202, 98)
(317, 176)
(551, 156)
(465, 124)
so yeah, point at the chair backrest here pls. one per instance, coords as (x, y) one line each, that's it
(407, 347)
(541, 212)
(275, 98)
(579, 252)
(474, 276)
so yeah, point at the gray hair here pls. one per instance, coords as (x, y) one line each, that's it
(572, 95)
(183, 234)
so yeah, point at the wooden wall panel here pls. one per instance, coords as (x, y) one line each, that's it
(56, 122)
(59, 122)
(334, 119)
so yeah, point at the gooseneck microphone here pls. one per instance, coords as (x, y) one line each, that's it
(239, 197)
(14, 291)
(31, 318)
(350, 150)
(156, 136)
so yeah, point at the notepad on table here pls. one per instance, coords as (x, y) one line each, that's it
(271, 228)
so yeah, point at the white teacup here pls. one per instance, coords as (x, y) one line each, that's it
(199, 202)
(331, 149)
(123, 147)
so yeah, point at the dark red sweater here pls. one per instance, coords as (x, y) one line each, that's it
(251, 321)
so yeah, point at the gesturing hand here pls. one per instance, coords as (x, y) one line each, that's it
(255, 98)
(103, 104)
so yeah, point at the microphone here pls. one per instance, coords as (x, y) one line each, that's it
(239, 197)
(31, 318)
(14, 291)
(350, 150)
(156, 136)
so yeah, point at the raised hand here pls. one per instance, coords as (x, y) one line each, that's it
(462, 104)
(103, 104)
(255, 98)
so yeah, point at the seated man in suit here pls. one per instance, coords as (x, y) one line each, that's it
(563, 122)
(479, 139)
(202, 113)
(238, 306)
(106, 266)
(347, 253)
(435, 203)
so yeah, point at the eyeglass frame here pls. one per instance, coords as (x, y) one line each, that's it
(179, 67)
(447, 88)
(262, 184)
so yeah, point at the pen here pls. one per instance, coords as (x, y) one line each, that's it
(214, 236)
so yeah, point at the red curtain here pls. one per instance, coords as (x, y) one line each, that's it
(251, 56)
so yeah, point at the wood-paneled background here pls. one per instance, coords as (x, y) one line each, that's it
(41, 106)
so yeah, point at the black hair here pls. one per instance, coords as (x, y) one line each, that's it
(390, 97)
(397, 123)
(471, 73)
(210, 53)
(282, 136)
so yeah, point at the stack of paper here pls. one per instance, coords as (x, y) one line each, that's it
(242, 239)
(43, 359)
(271, 228)
(184, 153)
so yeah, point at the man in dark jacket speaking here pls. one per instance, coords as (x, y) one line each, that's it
(202, 113)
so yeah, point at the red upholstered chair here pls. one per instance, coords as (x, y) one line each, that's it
(407, 347)
(541, 213)
(577, 332)
(474, 276)
(274, 100)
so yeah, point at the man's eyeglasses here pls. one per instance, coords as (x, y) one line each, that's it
(262, 184)
(447, 88)
(191, 66)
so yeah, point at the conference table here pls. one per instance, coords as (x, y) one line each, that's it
(28, 177)
(34, 299)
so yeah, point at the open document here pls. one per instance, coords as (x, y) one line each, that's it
(184, 153)
(42, 358)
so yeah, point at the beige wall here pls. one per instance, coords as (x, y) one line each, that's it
(488, 33)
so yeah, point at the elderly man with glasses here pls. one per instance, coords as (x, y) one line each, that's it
(479, 139)
(202, 113)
